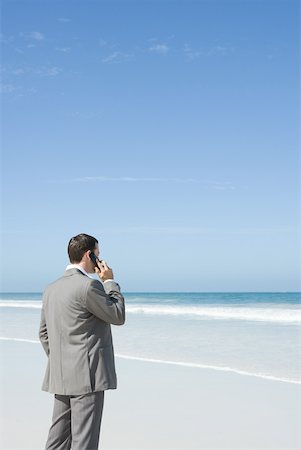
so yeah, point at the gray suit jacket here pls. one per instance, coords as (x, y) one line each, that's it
(75, 333)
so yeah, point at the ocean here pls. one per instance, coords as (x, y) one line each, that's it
(254, 334)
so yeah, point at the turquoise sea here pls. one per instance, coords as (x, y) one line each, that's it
(255, 334)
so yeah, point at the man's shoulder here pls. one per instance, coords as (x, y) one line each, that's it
(93, 283)
(76, 278)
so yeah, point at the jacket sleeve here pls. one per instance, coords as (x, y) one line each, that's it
(43, 335)
(105, 301)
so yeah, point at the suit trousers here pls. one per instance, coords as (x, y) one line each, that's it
(76, 422)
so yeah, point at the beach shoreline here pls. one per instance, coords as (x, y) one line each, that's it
(156, 406)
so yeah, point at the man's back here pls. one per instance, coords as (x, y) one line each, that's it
(75, 332)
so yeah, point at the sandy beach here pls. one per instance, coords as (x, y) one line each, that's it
(156, 406)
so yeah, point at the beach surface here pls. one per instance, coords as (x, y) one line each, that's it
(155, 406)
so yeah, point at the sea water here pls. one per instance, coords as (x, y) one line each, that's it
(255, 334)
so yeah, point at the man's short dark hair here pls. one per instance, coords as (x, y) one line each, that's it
(79, 245)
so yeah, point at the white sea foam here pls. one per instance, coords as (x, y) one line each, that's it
(32, 341)
(181, 363)
(264, 314)
(20, 304)
(267, 314)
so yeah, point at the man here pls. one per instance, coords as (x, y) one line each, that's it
(75, 332)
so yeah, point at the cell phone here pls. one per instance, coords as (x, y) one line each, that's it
(94, 258)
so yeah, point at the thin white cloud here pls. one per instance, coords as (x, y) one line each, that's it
(221, 185)
(129, 179)
(63, 49)
(63, 19)
(192, 54)
(7, 88)
(35, 35)
(117, 57)
(85, 114)
(50, 71)
(18, 71)
(211, 185)
(222, 49)
(18, 50)
(161, 49)
(108, 45)
(16, 91)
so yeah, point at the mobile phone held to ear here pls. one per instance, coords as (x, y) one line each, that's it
(94, 258)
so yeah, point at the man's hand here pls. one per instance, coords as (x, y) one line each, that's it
(104, 271)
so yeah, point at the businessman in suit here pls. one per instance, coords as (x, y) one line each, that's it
(75, 332)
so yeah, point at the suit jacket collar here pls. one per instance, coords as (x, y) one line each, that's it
(73, 271)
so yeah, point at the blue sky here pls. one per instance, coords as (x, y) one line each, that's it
(166, 129)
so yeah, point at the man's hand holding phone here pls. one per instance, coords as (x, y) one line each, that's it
(103, 270)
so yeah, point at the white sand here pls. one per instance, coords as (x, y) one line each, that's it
(156, 406)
